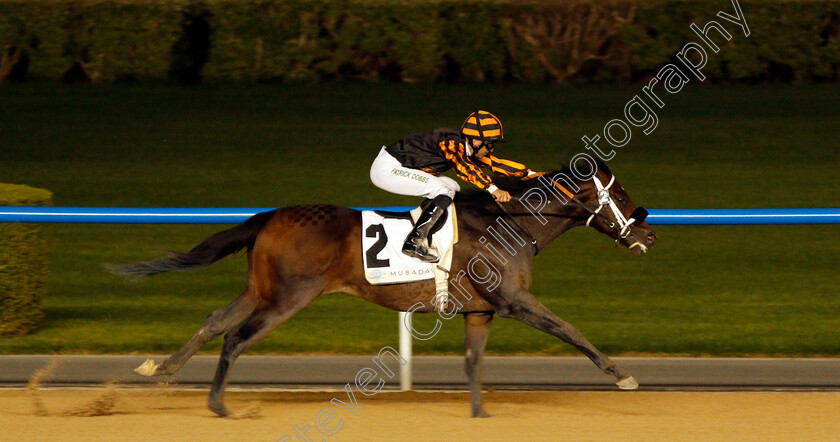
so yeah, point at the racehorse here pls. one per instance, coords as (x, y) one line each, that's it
(296, 254)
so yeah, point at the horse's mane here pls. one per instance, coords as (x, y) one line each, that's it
(518, 186)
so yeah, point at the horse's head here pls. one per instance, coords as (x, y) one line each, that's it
(599, 202)
(609, 209)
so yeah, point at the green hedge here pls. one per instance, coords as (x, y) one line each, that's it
(23, 263)
(417, 40)
(113, 40)
(789, 40)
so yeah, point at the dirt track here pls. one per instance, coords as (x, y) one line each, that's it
(570, 416)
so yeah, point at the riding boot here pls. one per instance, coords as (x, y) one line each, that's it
(417, 242)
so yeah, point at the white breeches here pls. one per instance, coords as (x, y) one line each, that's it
(388, 174)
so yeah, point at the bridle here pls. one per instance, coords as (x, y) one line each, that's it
(604, 200)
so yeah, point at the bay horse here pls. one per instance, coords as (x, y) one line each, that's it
(296, 254)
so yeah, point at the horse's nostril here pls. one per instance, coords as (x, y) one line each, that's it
(652, 236)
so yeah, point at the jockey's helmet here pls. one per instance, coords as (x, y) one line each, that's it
(484, 126)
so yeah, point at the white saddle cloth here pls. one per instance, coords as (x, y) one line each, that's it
(382, 241)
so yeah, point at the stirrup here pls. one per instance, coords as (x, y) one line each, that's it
(425, 254)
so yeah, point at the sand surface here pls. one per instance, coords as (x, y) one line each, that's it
(171, 414)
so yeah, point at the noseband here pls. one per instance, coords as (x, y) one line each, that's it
(605, 200)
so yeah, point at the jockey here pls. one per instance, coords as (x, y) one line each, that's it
(412, 166)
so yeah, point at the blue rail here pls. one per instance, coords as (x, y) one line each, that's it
(140, 215)
(131, 215)
(743, 216)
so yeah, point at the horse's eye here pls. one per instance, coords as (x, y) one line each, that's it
(620, 199)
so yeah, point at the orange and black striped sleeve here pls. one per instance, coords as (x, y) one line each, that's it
(505, 167)
(455, 153)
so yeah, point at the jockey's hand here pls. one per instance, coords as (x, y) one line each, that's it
(501, 196)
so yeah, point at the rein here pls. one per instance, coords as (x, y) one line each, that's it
(521, 229)
(604, 200)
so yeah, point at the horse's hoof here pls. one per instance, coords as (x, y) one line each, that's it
(219, 409)
(147, 368)
(628, 383)
(482, 413)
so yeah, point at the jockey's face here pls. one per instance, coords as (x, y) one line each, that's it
(481, 148)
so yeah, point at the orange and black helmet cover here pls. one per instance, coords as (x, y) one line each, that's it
(483, 125)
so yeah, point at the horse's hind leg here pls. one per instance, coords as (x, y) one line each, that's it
(476, 329)
(251, 330)
(529, 310)
(217, 323)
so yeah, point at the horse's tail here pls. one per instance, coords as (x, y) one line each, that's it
(214, 248)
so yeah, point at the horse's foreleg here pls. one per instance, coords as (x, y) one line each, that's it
(217, 323)
(476, 329)
(527, 309)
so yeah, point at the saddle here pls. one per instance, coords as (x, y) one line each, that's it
(383, 234)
